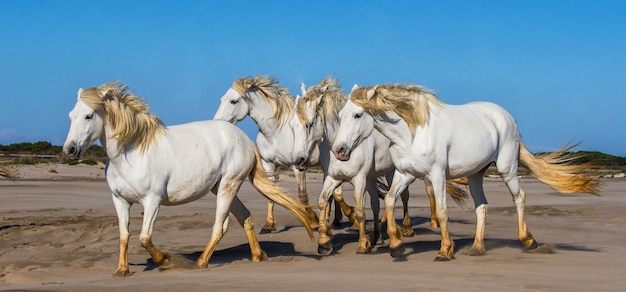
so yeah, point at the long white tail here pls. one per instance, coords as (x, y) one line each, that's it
(560, 171)
(270, 190)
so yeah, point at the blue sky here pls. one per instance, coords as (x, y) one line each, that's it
(559, 67)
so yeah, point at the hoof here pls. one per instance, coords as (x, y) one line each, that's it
(363, 251)
(325, 249)
(476, 252)
(336, 224)
(122, 273)
(441, 258)
(266, 230)
(408, 232)
(397, 252)
(532, 244)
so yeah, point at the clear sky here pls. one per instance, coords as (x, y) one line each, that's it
(559, 67)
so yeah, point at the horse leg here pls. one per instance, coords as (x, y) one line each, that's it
(519, 199)
(480, 203)
(372, 190)
(433, 208)
(225, 194)
(359, 192)
(507, 165)
(438, 180)
(245, 220)
(400, 183)
(303, 195)
(270, 221)
(407, 224)
(122, 208)
(342, 206)
(325, 245)
(150, 212)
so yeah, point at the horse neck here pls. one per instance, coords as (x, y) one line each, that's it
(330, 129)
(109, 143)
(261, 113)
(395, 129)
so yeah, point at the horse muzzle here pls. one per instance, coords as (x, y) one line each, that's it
(342, 153)
(301, 163)
(71, 151)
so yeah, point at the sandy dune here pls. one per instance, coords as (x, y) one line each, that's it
(58, 231)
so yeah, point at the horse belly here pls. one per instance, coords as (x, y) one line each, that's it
(187, 190)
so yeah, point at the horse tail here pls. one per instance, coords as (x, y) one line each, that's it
(456, 193)
(560, 170)
(273, 192)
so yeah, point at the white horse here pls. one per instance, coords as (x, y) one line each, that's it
(154, 165)
(271, 106)
(316, 119)
(437, 141)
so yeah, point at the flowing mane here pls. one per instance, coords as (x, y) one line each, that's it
(279, 99)
(411, 102)
(333, 99)
(126, 113)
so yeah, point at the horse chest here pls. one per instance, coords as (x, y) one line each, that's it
(416, 163)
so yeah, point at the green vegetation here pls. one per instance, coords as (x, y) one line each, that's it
(45, 152)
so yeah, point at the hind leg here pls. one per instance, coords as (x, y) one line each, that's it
(270, 221)
(480, 204)
(304, 196)
(508, 170)
(242, 214)
(225, 196)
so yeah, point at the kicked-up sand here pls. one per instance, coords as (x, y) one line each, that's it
(58, 232)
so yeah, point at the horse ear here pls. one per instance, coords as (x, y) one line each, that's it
(303, 89)
(323, 89)
(354, 87)
(371, 92)
(103, 91)
(80, 92)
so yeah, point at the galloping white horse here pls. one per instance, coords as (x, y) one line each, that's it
(316, 119)
(271, 107)
(437, 141)
(154, 165)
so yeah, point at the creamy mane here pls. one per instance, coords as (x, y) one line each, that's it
(278, 98)
(333, 99)
(411, 102)
(126, 113)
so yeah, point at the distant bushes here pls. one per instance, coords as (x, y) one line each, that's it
(27, 153)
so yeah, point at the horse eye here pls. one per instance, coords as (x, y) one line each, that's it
(358, 116)
(234, 101)
(89, 117)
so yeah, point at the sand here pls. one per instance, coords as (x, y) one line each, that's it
(58, 232)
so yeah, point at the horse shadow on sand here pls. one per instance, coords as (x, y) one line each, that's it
(464, 243)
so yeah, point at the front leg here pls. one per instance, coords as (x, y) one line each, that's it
(122, 208)
(400, 182)
(325, 245)
(438, 180)
(150, 212)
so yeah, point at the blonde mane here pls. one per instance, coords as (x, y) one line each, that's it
(333, 99)
(411, 102)
(126, 113)
(278, 98)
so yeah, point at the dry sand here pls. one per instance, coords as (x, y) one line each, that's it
(58, 232)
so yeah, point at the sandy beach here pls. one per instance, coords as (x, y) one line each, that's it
(58, 232)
